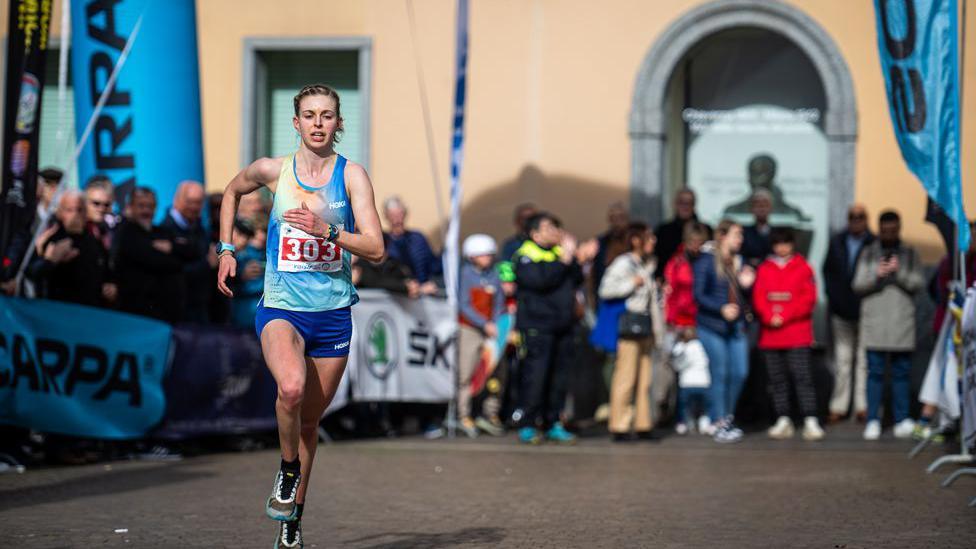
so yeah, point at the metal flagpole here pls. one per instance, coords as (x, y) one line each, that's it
(61, 137)
(428, 128)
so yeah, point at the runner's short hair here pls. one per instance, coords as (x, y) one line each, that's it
(328, 91)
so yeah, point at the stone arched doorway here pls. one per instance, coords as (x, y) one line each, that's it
(651, 121)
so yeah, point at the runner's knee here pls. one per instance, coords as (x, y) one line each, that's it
(291, 393)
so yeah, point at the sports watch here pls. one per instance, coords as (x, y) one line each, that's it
(224, 247)
(333, 233)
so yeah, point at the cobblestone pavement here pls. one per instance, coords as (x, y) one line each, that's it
(682, 492)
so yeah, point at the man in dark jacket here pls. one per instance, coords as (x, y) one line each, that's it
(71, 265)
(191, 238)
(148, 270)
(845, 311)
(755, 237)
(671, 234)
(547, 273)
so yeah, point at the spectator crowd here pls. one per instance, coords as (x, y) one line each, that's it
(696, 309)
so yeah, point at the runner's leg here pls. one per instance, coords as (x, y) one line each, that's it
(323, 379)
(284, 352)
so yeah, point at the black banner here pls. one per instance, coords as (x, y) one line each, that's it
(218, 384)
(29, 23)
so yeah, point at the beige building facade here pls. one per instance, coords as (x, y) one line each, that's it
(574, 105)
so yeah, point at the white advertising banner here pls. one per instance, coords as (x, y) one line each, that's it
(402, 350)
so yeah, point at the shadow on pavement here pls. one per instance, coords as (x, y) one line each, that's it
(401, 540)
(102, 483)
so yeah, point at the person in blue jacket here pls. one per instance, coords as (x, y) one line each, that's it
(721, 285)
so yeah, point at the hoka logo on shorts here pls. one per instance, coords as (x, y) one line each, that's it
(337, 205)
(341, 345)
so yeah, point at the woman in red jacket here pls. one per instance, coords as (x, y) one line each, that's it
(679, 304)
(784, 297)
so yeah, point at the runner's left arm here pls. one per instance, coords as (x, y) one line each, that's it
(367, 241)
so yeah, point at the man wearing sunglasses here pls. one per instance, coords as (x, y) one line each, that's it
(99, 197)
(845, 311)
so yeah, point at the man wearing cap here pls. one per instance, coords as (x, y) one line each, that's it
(481, 302)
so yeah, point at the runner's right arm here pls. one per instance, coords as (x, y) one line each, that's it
(261, 172)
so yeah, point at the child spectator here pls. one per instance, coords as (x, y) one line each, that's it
(784, 297)
(250, 272)
(481, 302)
(679, 303)
(689, 360)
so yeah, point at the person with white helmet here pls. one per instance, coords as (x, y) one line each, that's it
(481, 302)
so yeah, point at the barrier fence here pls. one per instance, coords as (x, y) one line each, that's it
(90, 372)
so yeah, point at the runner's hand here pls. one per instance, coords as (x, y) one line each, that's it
(303, 218)
(227, 267)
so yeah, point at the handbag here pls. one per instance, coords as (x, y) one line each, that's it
(604, 333)
(634, 325)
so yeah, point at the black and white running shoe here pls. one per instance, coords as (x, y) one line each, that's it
(726, 432)
(281, 505)
(290, 535)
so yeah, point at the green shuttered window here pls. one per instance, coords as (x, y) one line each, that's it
(286, 73)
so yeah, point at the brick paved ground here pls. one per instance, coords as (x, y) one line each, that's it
(687, 492)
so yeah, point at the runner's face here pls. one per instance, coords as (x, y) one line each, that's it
(317, 121)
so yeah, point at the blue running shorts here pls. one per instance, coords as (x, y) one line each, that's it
(326, 333)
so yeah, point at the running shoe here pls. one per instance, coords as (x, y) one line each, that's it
(812, 430)
(281, 504)
(468, 427)
(493, 426)
(726, 432)
(904, 428)
(558, 434)
(289, 535)
(783, 429)
(529, 435)
(872, 431)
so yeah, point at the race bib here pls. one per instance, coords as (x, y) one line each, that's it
(300, 252)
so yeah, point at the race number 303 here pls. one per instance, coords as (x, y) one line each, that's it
(299, 251)
(309, 250)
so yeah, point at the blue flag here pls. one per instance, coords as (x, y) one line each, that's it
(918, 43)
(80, 371)
(149, 132)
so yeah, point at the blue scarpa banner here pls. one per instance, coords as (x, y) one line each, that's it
(918, 43)
(148, 134)
(80, 371)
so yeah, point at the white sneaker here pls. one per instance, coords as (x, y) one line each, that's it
(782, 429)
(812, 430)
(681, 429)
(872, 431)
(904, 428)
(705, 426)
